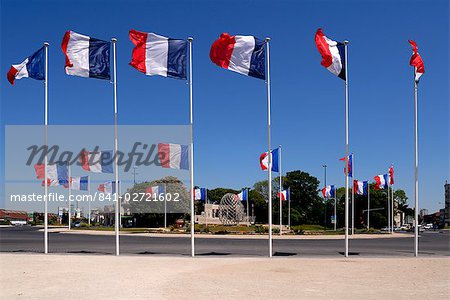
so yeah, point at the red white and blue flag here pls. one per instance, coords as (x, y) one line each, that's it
(32, 67)
(391, 175)
(360, 187)
(350, 165)
(416, 61)
(174, 156)
(333, 54)
(51, 182)
(239, 53)
(79, 183)
(381, 182)
(154, 190)
(107, 187)
(55, 172)
(264, 160)
(329, 191)
(199, 193)
(97, 162)
(243, 195)
(284, 194)
(86, 56)
(158, 55)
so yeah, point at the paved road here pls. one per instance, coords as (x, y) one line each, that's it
(28, 239)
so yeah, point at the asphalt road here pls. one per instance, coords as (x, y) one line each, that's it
(29, 239)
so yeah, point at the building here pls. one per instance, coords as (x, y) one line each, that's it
(447, 204)
(14, 217)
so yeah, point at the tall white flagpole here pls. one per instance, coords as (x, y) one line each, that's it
(289, 208)
(368, 206)
(269, 147)
(388, 210)
(353, 194)
(281, 189)
(46, 145)
(392, 208)
(416, 173)
(335, 217)
(248, 215)
(89, 200)
(116, 148)
(191, 161)
(165, 206)
(346, 148)
(69, 189)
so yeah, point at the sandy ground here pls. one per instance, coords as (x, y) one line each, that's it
(38, 276)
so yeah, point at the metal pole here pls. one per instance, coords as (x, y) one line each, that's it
(289, 208)
(335, 217)
(206, 202)
(416, 173)
(89, 200)
(368, 206)
(248, 216)
(281, 189)
(269, 173)
(69, 188)
(325, 199)
(116, 148)
(165, 206)
(191, 161)
(392, 208)
(353, 195)
(346, 148)
(46, 145)
(388, 211)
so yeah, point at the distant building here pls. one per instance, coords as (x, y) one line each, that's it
(447, 204)
(14, 217)
(423, 212)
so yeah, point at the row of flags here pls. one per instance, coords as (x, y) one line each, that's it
(154, 54)
(362, 187)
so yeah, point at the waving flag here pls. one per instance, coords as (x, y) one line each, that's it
(97, 162)
(243, 195)
(416, 61)
(157, 189)
(32, 67)
(158, 55)
(333, 54)
(55, 172)
(86, 56)
(381, 182)
(239, 53)
(51, 182)
(391, 175)
(329, 191)
(264, 160)
(350, 165)
(199, 194)
(107, 187)
(174, 156)
(79, 183)
(284, 195)
(360, 187)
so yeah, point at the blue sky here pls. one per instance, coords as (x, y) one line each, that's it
(230, 109)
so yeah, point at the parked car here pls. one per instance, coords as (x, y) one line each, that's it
(76, 224)
(428, 226)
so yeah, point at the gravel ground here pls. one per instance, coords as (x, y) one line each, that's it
(38, 276)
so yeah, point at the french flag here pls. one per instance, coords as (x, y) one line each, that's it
(86, 56)
(79, 183)
(381, 182)
(360, 187)
(97, 162)
(284, 195)
(56, 172)
(350, 165)
(154, 190)
(32, 67)
(174, 156)
(333, 54)
(391, 175)
(243, 195)
(158, 55)
(199, 194)
(51, 182)
(329, 191)
(416, 61)
(107, 187)
(264, 160)
(239, 53)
